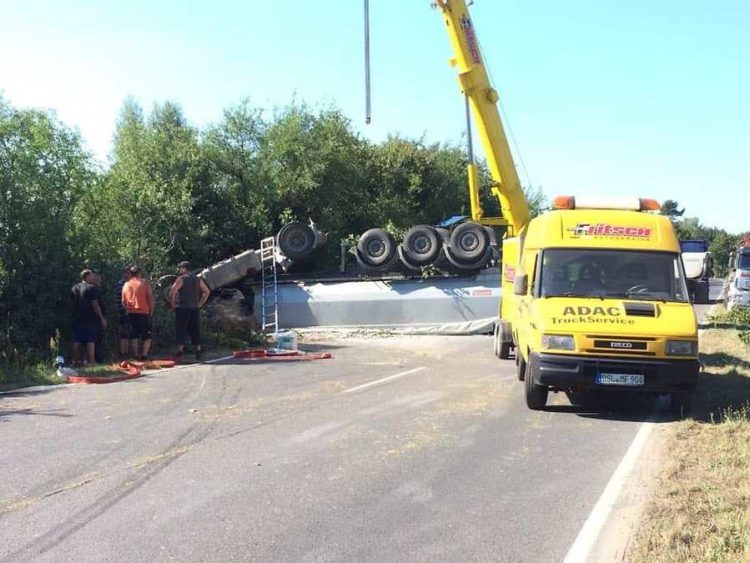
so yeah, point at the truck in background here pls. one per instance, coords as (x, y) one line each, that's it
(737, 286)
(699, 269)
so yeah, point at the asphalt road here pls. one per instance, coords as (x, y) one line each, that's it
(398, 449)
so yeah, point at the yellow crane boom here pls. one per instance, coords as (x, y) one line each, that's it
(475, 84)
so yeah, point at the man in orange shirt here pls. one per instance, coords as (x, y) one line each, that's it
(138, 300)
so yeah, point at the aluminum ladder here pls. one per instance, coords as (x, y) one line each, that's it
(269, 314)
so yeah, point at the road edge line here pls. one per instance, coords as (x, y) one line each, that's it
(586, 540)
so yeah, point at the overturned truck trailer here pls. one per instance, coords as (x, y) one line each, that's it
(467, 304)
(439, 305)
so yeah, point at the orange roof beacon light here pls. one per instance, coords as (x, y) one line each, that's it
(648, 204)
(564, 202)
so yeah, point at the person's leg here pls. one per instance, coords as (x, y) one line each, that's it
(99, 346)
(79, 340)
(195, 332)
(146, 335)
(181, 330)
(135, 334)
(124, 345)
(91, 352)
(77, 350)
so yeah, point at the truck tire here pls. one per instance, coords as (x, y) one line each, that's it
(702, 290)
(296, 241)
(421, 245)
(469, 242)
(376, 247)
(536, 395)
(520, 367)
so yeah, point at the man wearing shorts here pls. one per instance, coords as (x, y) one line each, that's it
(186, 296)
(138, 300)
(88, 318)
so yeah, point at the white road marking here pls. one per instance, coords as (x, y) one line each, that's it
(586, 540)
(383, 380)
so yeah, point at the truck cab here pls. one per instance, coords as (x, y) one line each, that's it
(699, 270)
(601, 303)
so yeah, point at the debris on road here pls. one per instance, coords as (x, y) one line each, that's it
(279, 355)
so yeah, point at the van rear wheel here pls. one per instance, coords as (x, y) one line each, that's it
(536, 395)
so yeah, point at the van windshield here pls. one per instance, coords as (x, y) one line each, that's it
(744, 261)
(650, 276)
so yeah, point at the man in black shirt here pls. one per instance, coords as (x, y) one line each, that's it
(88, 319)
(186, 296)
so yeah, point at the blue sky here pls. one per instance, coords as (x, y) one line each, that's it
(603, 97)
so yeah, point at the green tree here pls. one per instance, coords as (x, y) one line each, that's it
(721, 247)
(158, 172)
(44, 172)
(671, 208)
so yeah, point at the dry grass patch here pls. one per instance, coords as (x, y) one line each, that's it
(702, 508)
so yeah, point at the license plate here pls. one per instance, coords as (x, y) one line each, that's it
(627, 379)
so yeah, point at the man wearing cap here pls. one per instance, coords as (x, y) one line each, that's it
(186, 296)
(138, 300)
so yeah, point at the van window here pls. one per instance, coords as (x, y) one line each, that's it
(623, 274)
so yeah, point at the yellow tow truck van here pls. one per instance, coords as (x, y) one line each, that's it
(601, 303)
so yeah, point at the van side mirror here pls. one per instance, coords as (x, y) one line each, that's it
(732, 256)
(521, 284)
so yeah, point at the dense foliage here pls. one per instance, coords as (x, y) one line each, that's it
(173, 192)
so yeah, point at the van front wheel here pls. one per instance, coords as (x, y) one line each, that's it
(536, 395)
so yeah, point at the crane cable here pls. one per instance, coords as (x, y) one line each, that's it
(507, 121)
(368, 97)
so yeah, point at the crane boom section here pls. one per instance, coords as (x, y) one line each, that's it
(483, 98)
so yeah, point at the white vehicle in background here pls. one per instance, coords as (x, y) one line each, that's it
(699, 268)
(737, 286)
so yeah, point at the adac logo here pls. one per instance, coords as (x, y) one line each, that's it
(607, 230)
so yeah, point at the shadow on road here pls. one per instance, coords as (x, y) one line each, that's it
(624, 407)
(4, 413)
(721, 359)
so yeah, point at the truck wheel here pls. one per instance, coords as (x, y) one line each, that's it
(469, 242)
(536, 395)
(680, 403)
(421, 245)
(505, 348)
(296, 241)
(702, 290)
(376, 247)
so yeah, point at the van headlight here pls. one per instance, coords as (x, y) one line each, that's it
(558, 342)
(682, 348)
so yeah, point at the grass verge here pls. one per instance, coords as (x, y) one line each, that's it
(702, 508)
(14, 377)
